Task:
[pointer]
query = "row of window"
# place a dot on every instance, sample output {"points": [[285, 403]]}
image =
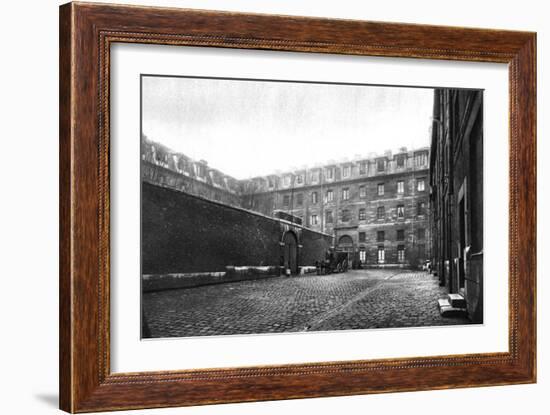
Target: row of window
{"points": [[346, 215], [381, 253], [329, 195], [381, 211], [399, 235], [421, 159]]}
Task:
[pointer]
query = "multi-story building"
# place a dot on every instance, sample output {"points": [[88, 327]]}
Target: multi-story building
{"points": [[376, 208], [162, 166], [202, 226], [456, 179]]}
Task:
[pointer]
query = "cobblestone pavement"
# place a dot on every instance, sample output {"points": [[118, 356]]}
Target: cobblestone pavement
{"points": [[358, 299]]}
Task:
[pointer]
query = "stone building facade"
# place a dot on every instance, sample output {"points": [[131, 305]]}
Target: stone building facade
{"points": [[196, 231], [456, 180], [376, 208], [164, 167]]}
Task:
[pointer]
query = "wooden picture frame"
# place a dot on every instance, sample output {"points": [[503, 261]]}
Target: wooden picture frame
{"points": [[86, 33]]}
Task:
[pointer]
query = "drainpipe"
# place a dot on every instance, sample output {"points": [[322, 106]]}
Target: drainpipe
{"points": [[321, 199]]}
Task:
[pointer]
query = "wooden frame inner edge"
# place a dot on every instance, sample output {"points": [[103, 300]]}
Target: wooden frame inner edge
{"points": [[107, 37]]}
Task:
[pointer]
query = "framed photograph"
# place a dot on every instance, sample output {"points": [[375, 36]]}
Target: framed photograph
{"points": [[258, 207]]}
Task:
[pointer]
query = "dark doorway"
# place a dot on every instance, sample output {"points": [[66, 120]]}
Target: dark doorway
{"points": [[345, 243], [290, 252]]}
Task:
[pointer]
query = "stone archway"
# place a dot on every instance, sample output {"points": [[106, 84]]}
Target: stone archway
{"points": [[290, 252], [345, 244]]}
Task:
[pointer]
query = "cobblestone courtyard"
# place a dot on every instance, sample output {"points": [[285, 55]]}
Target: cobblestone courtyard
{"points": [[358, 299]]}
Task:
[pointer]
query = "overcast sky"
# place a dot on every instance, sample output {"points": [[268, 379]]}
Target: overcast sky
{"points": [[252, 128]]}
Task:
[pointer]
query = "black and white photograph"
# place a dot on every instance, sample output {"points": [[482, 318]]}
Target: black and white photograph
{"points": [[275, 206]]}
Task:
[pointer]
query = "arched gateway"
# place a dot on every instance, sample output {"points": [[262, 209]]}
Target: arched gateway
{"points": [[345, 244], [290, 252]]}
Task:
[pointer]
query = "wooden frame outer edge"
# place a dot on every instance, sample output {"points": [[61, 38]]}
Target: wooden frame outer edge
{"points": [[86, 32]]}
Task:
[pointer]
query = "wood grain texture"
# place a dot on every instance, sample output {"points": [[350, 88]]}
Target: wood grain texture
{"points": [[86, 33]]}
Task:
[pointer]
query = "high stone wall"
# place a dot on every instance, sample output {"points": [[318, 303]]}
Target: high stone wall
{"points": [[182, 233]]}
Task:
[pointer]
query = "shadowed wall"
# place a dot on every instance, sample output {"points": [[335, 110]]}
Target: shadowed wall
{"points": [[182, 233]]}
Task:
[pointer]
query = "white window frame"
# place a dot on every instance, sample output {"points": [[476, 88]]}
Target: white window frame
{"points": [[381, 255], [401, 187], [402, 209], [346, 171], [315, 176], [314, 198], [401, 253], [345, 193], [421, 159], [286, 180]]}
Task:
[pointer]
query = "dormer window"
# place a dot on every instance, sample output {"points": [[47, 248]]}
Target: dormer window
{"points": [[421, 159], [200, 170], [181, 164], [315, 176], [346, 171], [380, 165], [401, 160]]}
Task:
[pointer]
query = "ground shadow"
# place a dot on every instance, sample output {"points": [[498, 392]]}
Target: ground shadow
{"points": [[51, 399]]}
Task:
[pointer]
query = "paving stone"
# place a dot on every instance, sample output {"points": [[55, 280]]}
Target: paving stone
{"points": [[358, 299]]}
